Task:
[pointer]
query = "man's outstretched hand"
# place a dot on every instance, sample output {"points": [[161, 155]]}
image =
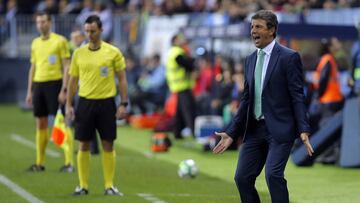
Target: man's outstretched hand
{"points": [[224, 143]]}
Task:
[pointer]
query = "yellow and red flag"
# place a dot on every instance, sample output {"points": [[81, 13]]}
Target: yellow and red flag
{"points": [[60, 131]]}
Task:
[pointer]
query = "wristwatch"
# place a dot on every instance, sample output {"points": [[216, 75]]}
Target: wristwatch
{"points": [[125, 104]]}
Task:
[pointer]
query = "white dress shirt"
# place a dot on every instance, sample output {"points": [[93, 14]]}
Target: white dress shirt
{"points": [[268, 49]]}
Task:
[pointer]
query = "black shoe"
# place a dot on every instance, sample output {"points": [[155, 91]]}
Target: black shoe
{"points": [[67, 169], [113, 191], [80, 191], [36, 168]]}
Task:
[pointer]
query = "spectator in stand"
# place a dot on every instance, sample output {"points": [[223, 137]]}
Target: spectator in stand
{"points": [[11, 10], [120, 5], [62, 6], [152, 86], [48, 6], [133, 72], [171, 7], [69, 7], [221, 91], [236, 93], [315, 4], [203, 85], [329, 5], [344, 4], [158, 11], [102, 9], [217, 65], [86, 11], [147, 9]]}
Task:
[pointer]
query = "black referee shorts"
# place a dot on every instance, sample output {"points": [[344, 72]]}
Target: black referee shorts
{"points": [[95, 114], [45, 97]]}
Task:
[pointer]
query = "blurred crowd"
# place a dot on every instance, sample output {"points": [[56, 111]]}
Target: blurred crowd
{"points": [[218, 78], [237, 9], [201, 12], [218, 84]]}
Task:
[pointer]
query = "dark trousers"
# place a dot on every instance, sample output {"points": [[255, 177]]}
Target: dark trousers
{"points": [[261, 149], [185, 112]]}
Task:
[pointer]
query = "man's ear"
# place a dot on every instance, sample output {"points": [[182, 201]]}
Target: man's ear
{"points": [[272, 30]]}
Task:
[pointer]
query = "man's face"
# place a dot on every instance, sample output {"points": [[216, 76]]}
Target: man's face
{"points": [[260, 34], [92, 32], [43, 24]]}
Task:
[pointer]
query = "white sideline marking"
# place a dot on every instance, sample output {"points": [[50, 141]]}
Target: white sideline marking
{"points": [[20, 139], [150, 198], [18, 190], [196, 195]]}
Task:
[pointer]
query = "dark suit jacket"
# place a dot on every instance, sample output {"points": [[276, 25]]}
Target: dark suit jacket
{"points": [[282, 97]]}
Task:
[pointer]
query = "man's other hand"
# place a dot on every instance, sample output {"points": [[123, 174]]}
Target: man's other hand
{"points": [[305, 140], [224, 143]]}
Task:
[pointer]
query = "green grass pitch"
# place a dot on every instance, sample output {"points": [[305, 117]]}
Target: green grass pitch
{"points": [[142, 175]]}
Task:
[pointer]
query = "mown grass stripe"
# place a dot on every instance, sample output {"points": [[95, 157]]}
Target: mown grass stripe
{"points": [[20, 139], [18, 190]]}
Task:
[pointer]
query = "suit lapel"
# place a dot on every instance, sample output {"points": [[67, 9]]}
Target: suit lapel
{"points": [[273, 60]]}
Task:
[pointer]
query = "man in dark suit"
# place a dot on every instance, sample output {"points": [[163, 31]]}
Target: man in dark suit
{"points": [[272, 113]]}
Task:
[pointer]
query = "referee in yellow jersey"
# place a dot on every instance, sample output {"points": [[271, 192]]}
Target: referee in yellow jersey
{"points": [[47, 80], [94, 67]]}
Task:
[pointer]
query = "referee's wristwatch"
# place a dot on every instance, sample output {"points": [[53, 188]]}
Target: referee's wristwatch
{"points": [[124, 104]]}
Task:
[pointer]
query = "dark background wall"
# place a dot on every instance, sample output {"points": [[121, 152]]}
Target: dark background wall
{"points": [[13, 80]]}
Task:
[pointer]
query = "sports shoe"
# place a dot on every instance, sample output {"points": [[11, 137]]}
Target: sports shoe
{"points": [[80, 191], [67, 169], [36, 168], [113, 191]]}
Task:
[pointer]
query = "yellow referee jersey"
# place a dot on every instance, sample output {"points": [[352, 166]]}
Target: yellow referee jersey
{"points": [[47, 57], [96, 70]]}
